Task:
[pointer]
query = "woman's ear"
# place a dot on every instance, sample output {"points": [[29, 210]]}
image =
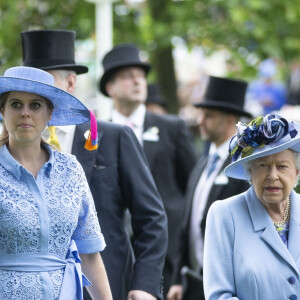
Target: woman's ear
{"points": [[50, 115]]}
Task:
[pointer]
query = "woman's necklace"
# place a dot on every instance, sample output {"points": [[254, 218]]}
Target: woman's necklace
{"points": [[286, 215]]}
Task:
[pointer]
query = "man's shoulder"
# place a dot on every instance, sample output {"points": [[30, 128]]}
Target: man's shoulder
{"points": [[109, 125]]}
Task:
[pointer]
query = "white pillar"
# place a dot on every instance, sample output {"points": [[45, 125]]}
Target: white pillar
{"points": [[104, 31], [104, 42]]}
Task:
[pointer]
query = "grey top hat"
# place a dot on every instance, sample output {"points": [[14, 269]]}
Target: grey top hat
{"points": [[123, 55], [225, 94], [50, 50]]}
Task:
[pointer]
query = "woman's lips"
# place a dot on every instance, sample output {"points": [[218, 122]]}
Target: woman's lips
{"points": [[272, 189], [25, 125]]}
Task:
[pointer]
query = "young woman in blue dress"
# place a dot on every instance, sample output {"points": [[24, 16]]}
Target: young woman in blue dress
{"points": [[49, 229]]}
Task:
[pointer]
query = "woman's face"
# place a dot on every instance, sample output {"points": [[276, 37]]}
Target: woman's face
{"points": [[274, 176], [25, 116]]}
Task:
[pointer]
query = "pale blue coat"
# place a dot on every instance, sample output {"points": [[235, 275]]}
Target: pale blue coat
{"points": [[244, 257]]}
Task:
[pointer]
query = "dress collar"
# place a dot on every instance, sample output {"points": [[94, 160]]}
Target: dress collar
{"points": [[15, 168]]}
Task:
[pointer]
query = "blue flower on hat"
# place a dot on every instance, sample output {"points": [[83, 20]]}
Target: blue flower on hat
{"points": [[258, 133]]}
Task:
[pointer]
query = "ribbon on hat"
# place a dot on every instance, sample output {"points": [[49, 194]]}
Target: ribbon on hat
{"points": [[258, 133], [92, 140]]}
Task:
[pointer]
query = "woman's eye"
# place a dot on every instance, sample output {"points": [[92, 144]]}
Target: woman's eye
{"points": [[35, 105], [15, 105], [283, 166]]}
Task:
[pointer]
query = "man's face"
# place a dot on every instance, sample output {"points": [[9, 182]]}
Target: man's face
{"points": [[213, 125], [128, 84]]}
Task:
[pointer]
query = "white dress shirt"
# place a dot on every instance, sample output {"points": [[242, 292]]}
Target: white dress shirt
{"points": [[135, 121], [200, 198], [65, 135]]}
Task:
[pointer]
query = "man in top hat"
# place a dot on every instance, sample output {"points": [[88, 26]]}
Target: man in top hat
{"points": [[220, 111], [155, 102], [165, 139], [118, 176]]}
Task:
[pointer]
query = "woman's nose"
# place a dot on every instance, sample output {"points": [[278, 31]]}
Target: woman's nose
{"points": [[273, 174], [25, 111]]}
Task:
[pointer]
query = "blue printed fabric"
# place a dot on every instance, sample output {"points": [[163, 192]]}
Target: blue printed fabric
{"points": [[38, 219], [283, 232]]}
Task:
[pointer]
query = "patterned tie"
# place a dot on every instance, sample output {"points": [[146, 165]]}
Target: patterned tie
{"points": [[212, 164], [53, 139]]}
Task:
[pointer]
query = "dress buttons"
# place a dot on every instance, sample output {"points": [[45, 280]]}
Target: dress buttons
{"points": [[291, 280], [293, 297]]}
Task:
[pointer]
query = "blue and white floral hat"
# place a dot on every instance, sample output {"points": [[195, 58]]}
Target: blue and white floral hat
{"points": [[68, 110], [261, 137]]}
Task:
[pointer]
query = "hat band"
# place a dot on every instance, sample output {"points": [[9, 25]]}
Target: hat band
{"points": [[42, 62]]}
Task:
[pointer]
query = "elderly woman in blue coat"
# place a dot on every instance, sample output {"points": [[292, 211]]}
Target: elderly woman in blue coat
{"points": [[252, 240]]}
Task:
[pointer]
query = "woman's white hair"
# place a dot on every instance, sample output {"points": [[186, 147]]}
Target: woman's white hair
{"points": [[248, 164]]}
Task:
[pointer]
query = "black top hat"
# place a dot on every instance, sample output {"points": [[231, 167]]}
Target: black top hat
{"points": [[155, 96], [226, 95], [124, 55], [50, 50]]}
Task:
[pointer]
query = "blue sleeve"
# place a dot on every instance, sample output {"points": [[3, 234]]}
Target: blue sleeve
{"points": [[218, 272]]}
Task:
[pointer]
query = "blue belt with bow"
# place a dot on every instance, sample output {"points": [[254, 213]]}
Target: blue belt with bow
{"points": [[73, 280]]}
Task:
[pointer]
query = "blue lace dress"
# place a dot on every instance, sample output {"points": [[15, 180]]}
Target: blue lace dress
{"points": [[42, 223]]}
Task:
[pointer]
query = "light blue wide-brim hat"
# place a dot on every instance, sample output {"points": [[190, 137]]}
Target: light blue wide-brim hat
{"points": [[289, 140], [68, 110]]}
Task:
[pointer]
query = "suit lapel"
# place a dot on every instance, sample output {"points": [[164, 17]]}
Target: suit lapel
{"points": [[214, 194], [194, 179], [86, 158], [263, 225]]}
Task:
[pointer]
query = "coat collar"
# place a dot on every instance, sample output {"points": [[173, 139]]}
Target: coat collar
{"points": [[262, 224]]}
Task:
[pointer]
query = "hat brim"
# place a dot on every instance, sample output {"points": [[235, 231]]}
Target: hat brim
{"points": [[67, 108], [78, 69], [108, 73], [227, 107], [236, 169]]}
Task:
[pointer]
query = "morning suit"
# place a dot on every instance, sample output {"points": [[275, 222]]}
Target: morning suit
{"points": [[222, 188], [171, 157], [244, 256], [116, 185]]}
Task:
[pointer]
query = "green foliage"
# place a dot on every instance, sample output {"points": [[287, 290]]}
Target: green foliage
{"points": [[244, 27], [20, 15], [247, 28]]}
